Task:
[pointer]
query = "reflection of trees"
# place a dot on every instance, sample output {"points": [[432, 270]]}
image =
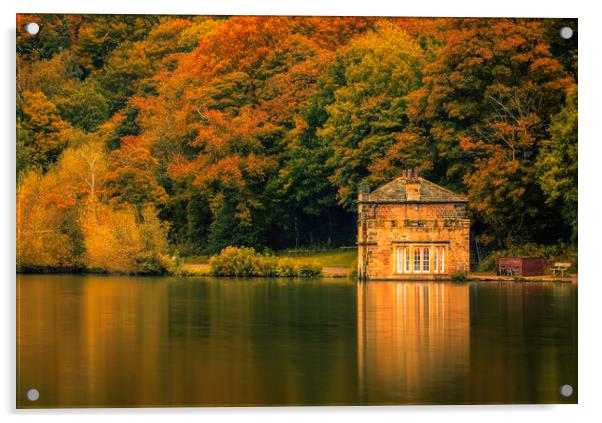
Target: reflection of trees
{"points": [[413, 341], [523, 342], [125, 341]]}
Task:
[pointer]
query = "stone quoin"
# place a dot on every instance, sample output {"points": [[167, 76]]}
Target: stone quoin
{"points": [[412, 228]]}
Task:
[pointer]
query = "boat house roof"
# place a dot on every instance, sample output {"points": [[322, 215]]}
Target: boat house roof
{"points": [[396, 191]]}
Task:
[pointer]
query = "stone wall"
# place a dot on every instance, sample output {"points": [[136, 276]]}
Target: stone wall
{"points": [[383, 227]]}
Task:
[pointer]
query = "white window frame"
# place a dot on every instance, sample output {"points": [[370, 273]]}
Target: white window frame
{"points": [[417, 249], [434, 259], [426, 261], [402, 260]]}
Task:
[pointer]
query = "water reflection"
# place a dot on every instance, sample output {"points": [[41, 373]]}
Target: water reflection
{"points": [[94, 341], [99, 341], [413, 341], [523, 342]]}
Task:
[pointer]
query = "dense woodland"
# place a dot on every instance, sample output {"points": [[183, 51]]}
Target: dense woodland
{"points": [[144, 137]]}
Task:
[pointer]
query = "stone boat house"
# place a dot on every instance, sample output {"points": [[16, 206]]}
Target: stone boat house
{"points": [[411, 228]]}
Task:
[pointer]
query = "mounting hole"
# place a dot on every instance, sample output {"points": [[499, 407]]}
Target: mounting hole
{"points": [[33, 394], [566, 32], [566, 390], [32, 28]]}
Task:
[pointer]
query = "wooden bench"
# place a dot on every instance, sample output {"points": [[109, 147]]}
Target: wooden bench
{"points": [[507, 271], [561, 268]]}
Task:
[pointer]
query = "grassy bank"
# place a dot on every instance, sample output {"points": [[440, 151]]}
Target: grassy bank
{"points": [[332, 262], [329, 258]]}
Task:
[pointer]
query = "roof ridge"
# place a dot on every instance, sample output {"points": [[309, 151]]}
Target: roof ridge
{"points": [[395, 190]]}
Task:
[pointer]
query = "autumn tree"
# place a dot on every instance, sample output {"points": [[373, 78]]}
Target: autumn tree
{"points": [[43, 239], [39, 131], [111, 239], [83, 169], [486, 102], [223, 112], [130, 176], [232, 173], [49, 205]]}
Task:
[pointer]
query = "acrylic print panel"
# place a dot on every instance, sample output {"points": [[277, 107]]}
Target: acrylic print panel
{"points": [[250, 211]]}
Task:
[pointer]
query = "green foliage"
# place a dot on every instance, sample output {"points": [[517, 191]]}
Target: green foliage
{"points": [[557, 162], [486, 102], [154, 264], [84, 104], [98, 35], [367, 122], [39, 131], [123, 72], [48, 75], [245, 262]]}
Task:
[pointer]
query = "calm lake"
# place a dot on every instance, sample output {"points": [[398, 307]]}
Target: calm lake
{"points": [[107, 341]]}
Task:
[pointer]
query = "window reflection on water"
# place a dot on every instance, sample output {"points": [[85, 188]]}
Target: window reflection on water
{"points": [[413, 340], [92, 341]]}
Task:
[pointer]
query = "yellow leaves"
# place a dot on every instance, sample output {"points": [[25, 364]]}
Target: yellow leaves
{"points": [[41, 238], [115, 240], [111, 239], [82, 169], [62, 212]]}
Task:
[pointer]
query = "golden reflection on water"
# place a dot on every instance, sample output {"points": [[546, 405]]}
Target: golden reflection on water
{"points": [[98, 341], [105, 341], [413, 339]]}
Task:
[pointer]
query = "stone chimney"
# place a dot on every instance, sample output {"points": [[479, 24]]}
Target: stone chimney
{"points": [[413, 185], [363, 192]]}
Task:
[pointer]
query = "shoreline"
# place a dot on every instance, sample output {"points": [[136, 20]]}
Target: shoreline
{"points": [[336, 273]]}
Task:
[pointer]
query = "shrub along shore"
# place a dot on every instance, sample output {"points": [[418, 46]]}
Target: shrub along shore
{"points": [[246, 262]]}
